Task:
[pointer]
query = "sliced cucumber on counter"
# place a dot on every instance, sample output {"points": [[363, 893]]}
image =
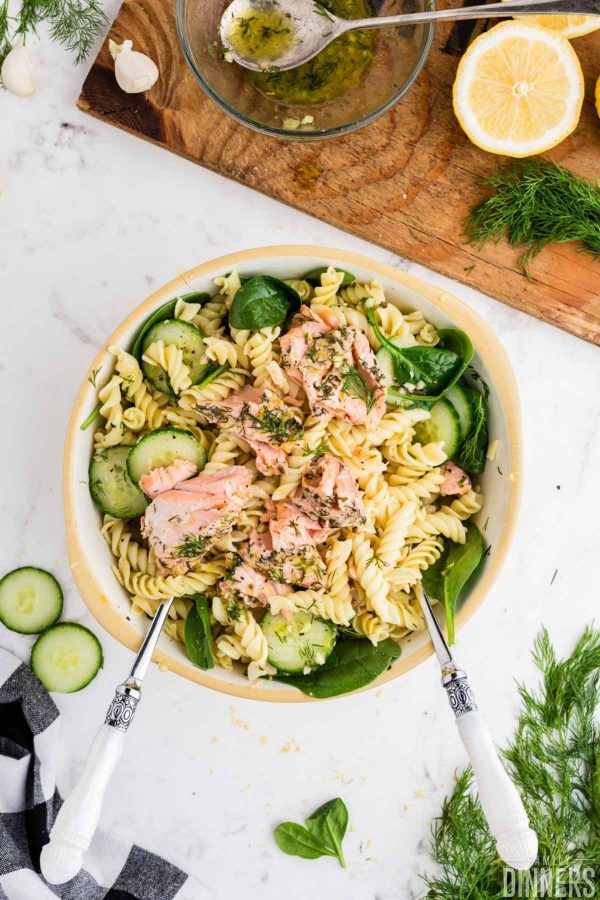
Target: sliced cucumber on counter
{"points": [[303, 642], [189, 340], [66, 657], [460, 400], [161, 448], [443, 425], [31, 600], [111, 487]]}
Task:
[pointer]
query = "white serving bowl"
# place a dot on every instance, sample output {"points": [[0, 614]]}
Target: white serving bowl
{"points": [[91, 558]]}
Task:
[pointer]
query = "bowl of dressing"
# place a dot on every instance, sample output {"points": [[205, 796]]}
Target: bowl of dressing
{"points": [[350, 83]]}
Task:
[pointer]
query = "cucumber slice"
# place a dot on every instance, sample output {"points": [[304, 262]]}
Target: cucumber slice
{"points": [[161, 448], [385, 360], [111, 487], [185, 336], [298, 643], [443, 425], [66, 657], [31, 600], [459, 399], [166, 311]]}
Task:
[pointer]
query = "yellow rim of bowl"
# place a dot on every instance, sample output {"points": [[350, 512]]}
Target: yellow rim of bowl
{"points": [[488, 347]]}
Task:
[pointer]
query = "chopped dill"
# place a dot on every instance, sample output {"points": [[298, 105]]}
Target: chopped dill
{"points": [[554, 576], [194, 545], [93, 376], [354, 383]]}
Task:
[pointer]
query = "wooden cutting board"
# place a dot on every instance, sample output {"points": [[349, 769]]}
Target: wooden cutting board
{"points": [[404, 182]]}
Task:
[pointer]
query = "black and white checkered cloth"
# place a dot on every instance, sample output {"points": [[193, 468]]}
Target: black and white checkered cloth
{"points": [[115, 869]]}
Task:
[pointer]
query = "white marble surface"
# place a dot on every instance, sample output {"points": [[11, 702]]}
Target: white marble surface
{"points": [[91, 220]]}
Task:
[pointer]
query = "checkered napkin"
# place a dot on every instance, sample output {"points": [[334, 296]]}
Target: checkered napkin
{"points": [[115, 869]]}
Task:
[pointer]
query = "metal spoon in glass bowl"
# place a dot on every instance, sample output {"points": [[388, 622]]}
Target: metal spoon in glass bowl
{"points": [[284, 34]]}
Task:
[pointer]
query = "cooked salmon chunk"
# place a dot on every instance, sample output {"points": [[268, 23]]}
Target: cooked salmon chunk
{"points": [[299, 564], [456, 481], [166, 477], [329, 494], [336, 366], [262, 420], [253, 589], [182, 523]]}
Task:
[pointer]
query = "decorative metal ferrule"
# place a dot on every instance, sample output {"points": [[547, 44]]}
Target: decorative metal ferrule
{"points": [[460, 696], [124, 703]]}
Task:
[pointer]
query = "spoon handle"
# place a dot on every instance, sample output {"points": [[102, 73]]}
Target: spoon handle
{"points": [[502, 806], [78, 817], [490, 11]]}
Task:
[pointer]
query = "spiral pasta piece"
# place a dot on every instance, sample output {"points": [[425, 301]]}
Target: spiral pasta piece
{"points": [[222, 454], [419, 558], [169, 358], [466, 506], [414, 460], [209, 318], [222, 351], [370, 293], [421, 489], [302, 288], [134, 386], [371, 626], [343, 438], [259, 350], [326, 293], [228, 286], [394, 534], [393, 324], [161, 587], [396, 426], [118, 535], [214, 391], [442, 521], [186, 311], [338, 603], [372, 580], [111, 407], [428, 335], [133, 418], [253, 642]]}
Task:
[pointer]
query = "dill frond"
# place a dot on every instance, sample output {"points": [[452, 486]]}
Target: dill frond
{"points": [[537, 203], [554, 760]]}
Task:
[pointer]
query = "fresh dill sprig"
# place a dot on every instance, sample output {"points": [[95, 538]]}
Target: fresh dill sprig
{"points": [[73, 23], [354, 383], [193, 546], [537, 203], [554, 760]]}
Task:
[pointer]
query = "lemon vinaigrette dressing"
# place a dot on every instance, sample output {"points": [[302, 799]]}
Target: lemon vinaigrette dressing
{"points": [[334, 71], [263, 34]]}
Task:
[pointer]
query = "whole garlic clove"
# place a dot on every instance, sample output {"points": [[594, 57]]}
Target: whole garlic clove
{"points": [[17, 72], [135, 72]]}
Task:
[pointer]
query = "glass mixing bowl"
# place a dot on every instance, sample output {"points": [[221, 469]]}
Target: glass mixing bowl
{"points": [[399, 56]]}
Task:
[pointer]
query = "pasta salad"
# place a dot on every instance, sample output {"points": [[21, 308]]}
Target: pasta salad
{"points": [[291, 460]]}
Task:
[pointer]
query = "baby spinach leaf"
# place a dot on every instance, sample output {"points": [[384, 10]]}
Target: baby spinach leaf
{"points": [[446, 578], [351, 665], [328, 823], [261, 302], [296, 840], [314, 276], [471, 455], [166, 311], [198, 634], [322, 836]]}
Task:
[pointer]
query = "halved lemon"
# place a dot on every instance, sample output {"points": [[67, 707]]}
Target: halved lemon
{"points": [[518, 90], [568, 26]]}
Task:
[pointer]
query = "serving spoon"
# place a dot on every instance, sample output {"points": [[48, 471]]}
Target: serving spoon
{"points": [[306, 27], [78, 817], [516, 842]]}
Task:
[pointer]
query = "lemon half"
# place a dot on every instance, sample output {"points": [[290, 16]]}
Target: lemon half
{"points": [[518, 90], [568, 26]]}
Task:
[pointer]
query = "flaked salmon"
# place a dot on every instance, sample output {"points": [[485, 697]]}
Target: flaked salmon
{"points": [[166, 477], [182, 523], [456, 481], [336, 366], [262, 420], [300, 564], [329, 494], [253, 589]]}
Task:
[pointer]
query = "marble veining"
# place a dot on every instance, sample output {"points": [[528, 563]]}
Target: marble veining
{"points": [[91, 220]]}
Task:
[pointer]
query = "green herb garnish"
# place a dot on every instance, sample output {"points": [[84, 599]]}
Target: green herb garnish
{"points": [[537, 202], [472, 453], [554, 761], [322, 836], [354, 383], [73, 23], [91, 418], [194, 545]]}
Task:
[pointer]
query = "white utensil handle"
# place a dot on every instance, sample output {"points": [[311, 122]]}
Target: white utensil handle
{"points": [[78, 817], [517, 844]]}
